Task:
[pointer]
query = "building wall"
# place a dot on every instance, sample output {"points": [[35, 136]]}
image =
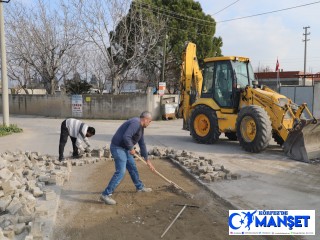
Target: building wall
{"points": [[94, 106], [316, 106]]}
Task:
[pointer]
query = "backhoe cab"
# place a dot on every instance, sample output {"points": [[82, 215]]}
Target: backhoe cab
{"points": [[226, 98]]}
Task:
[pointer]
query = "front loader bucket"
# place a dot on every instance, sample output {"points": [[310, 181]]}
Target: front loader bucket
{"points": [[303, 144]]}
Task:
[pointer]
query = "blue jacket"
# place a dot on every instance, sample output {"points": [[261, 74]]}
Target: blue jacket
{"points": [[130, 133]]}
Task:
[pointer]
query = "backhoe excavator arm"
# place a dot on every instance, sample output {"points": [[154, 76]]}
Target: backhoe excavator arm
{"points": [[190, 82]]}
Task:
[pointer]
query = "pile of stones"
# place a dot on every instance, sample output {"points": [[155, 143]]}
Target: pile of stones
{"points": [[26, 177], [30, 185], [204, 168]]}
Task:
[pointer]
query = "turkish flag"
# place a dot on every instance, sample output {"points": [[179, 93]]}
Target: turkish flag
{"points": [[277, 65]]}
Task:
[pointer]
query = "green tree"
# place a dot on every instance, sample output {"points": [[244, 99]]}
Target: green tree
{"points": [[77, 86], [185, 21]]}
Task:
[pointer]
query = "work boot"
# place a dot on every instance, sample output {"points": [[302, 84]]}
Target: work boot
{"points": [[76, 156], [145, 189], [107, 200], [61, 159]]}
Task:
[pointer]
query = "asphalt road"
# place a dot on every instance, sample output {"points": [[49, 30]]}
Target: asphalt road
{"points": [[269, 180]]}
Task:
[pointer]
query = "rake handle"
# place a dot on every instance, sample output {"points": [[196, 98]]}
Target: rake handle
{"points": [[159, 174], [178, 215]]}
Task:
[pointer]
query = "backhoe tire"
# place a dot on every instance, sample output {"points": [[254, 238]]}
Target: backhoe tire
{"points": [[253, 129], [204, 125], [231, 136], [277, 138]]}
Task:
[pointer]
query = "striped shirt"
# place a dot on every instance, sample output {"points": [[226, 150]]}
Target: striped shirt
{"points": [[78, 130]]}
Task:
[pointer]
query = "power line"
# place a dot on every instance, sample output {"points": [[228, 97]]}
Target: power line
{"points": [[170, 16], [226, 7], [259, 14], [204, 34], [154, 8]]}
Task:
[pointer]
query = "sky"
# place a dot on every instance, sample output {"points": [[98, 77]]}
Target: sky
{"points": [[269, 37]]}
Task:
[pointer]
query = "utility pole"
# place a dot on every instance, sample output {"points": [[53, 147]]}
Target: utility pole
{"points": [[164, 57], [305, 52], [5, 96]]}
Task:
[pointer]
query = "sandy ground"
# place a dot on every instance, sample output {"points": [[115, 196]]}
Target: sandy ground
{"points": [[269, 181], [82, 215]]}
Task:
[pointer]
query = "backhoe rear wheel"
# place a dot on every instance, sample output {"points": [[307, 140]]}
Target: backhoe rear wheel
{"points": [[204, 125], [253, 128]]}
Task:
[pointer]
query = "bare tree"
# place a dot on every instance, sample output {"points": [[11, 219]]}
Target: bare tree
{"points": [[43, 39], [122, 33]]}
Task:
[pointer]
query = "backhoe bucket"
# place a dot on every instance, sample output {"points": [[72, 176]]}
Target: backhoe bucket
{"points": [[303, 144]]}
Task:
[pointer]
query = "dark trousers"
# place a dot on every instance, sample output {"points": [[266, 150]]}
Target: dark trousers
{"points": [[64, 134]]}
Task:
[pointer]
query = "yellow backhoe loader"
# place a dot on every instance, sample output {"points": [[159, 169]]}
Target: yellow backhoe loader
{"points": [[224, 97]]}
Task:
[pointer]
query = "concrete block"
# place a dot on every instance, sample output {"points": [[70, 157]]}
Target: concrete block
{"points": [[69, 167], [222, 174], [205, 178], [53, 179], [8, 187], [25, 219], [1, 193], [181, 159], [218, 167], [37, 192], [184, 154], [49, 195], [235, 176], [172, 155], [5, 174], [227, 176], [31, 201], [4, 202], [202, 169], [210, 161], [210, 169], [36, 229], [3, 163], [107, 153], [214, 175], [24, 210], [2, 237], [186, 163], [19, 228], [9, 234], [43, 178], [40, 185], [226, 171], [14, 206], [29, 237], [79, 163], [216, 179], [51, 166], [42, 158]]}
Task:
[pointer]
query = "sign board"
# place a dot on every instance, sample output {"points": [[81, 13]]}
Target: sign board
{"points": [[76, 101], [162, 88]]}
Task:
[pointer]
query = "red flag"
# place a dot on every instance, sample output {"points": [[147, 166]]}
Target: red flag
{"points": [[277, 65]]}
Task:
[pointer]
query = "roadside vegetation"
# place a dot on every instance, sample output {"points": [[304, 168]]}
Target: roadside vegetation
{"points": [[13, 128], [110, 44]]}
